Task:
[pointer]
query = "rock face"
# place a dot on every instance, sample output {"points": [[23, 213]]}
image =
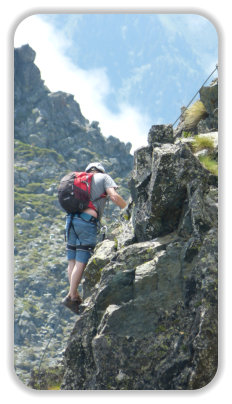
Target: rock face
{"points": [[164, 176], [54, 120], [209, 97], [149, 317]]}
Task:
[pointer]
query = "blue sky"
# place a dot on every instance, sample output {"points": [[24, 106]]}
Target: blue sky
{"points": [[127, 71]]}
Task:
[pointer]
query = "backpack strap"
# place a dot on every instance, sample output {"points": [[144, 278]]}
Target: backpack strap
{"points": [[88, 181], [69, 226]]}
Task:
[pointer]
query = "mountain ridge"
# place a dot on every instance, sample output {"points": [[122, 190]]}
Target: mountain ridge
{"points": [[149, 317]]}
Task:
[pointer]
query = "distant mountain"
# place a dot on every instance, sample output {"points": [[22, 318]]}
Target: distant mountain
{"points": [[52, 137]]}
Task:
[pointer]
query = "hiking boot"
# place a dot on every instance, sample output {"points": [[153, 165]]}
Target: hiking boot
{"points": [[72, 304], [78, 299]]}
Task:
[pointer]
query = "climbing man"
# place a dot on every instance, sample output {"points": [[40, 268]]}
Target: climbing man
{"points": [[81, 230]]}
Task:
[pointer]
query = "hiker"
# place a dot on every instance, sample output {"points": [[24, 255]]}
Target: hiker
{"points": [[81, 229]]}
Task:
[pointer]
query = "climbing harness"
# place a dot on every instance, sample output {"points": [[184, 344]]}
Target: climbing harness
{"points": [[89, 248], [80, 246], [103, 231], [216, 68]]}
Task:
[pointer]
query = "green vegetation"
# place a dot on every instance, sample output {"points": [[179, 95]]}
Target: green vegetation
{"points": [[36, 187], [24, 151], [115, 244], [194, 114], [161, 328], [57, 387], [49, 379], [202, 142], [209, 164], [43, 204], [186, 134]]}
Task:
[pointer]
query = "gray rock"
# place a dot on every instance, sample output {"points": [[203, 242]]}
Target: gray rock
{"points": [[26, 54], [154, 338], [160, 134], [37, 140], [149, 318], [161, 189]]}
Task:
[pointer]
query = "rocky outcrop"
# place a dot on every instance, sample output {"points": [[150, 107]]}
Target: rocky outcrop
{"points": [[149, 317], [54, 120], [164, 176], [209, 97]]}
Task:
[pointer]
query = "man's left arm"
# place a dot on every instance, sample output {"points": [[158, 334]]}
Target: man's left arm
{"points": [[116, 198]]}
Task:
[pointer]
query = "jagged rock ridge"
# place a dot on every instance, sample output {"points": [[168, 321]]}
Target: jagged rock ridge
{"points": [[149, 319], [54, 120]]}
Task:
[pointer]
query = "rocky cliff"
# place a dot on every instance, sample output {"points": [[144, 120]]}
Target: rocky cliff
{"points": [[149, 318], [149, 315]]}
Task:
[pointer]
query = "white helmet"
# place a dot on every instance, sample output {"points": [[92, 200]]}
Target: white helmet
{"points": [[98, 166]]}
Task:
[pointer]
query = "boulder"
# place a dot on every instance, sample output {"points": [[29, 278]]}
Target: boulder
{"points": [[159, 187]]}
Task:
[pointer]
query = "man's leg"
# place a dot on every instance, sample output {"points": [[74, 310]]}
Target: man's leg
{"points": [[82, 233], [71, 264], [75, 273]]}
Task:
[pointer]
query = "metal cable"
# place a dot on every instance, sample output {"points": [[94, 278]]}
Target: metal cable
{"points": [[196, 94]]}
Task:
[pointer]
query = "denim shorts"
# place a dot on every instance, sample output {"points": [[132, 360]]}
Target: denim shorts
{"points": [[80, 233]]}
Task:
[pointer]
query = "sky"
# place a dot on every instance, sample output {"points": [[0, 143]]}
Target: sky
{"points": [[126, 71]]}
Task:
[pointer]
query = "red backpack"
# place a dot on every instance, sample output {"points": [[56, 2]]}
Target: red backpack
{"points": [[74, 192]]}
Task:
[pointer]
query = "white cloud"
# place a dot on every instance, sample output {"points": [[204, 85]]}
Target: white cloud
{"points": [[38, 33], [89, 87], [134, 80]]}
